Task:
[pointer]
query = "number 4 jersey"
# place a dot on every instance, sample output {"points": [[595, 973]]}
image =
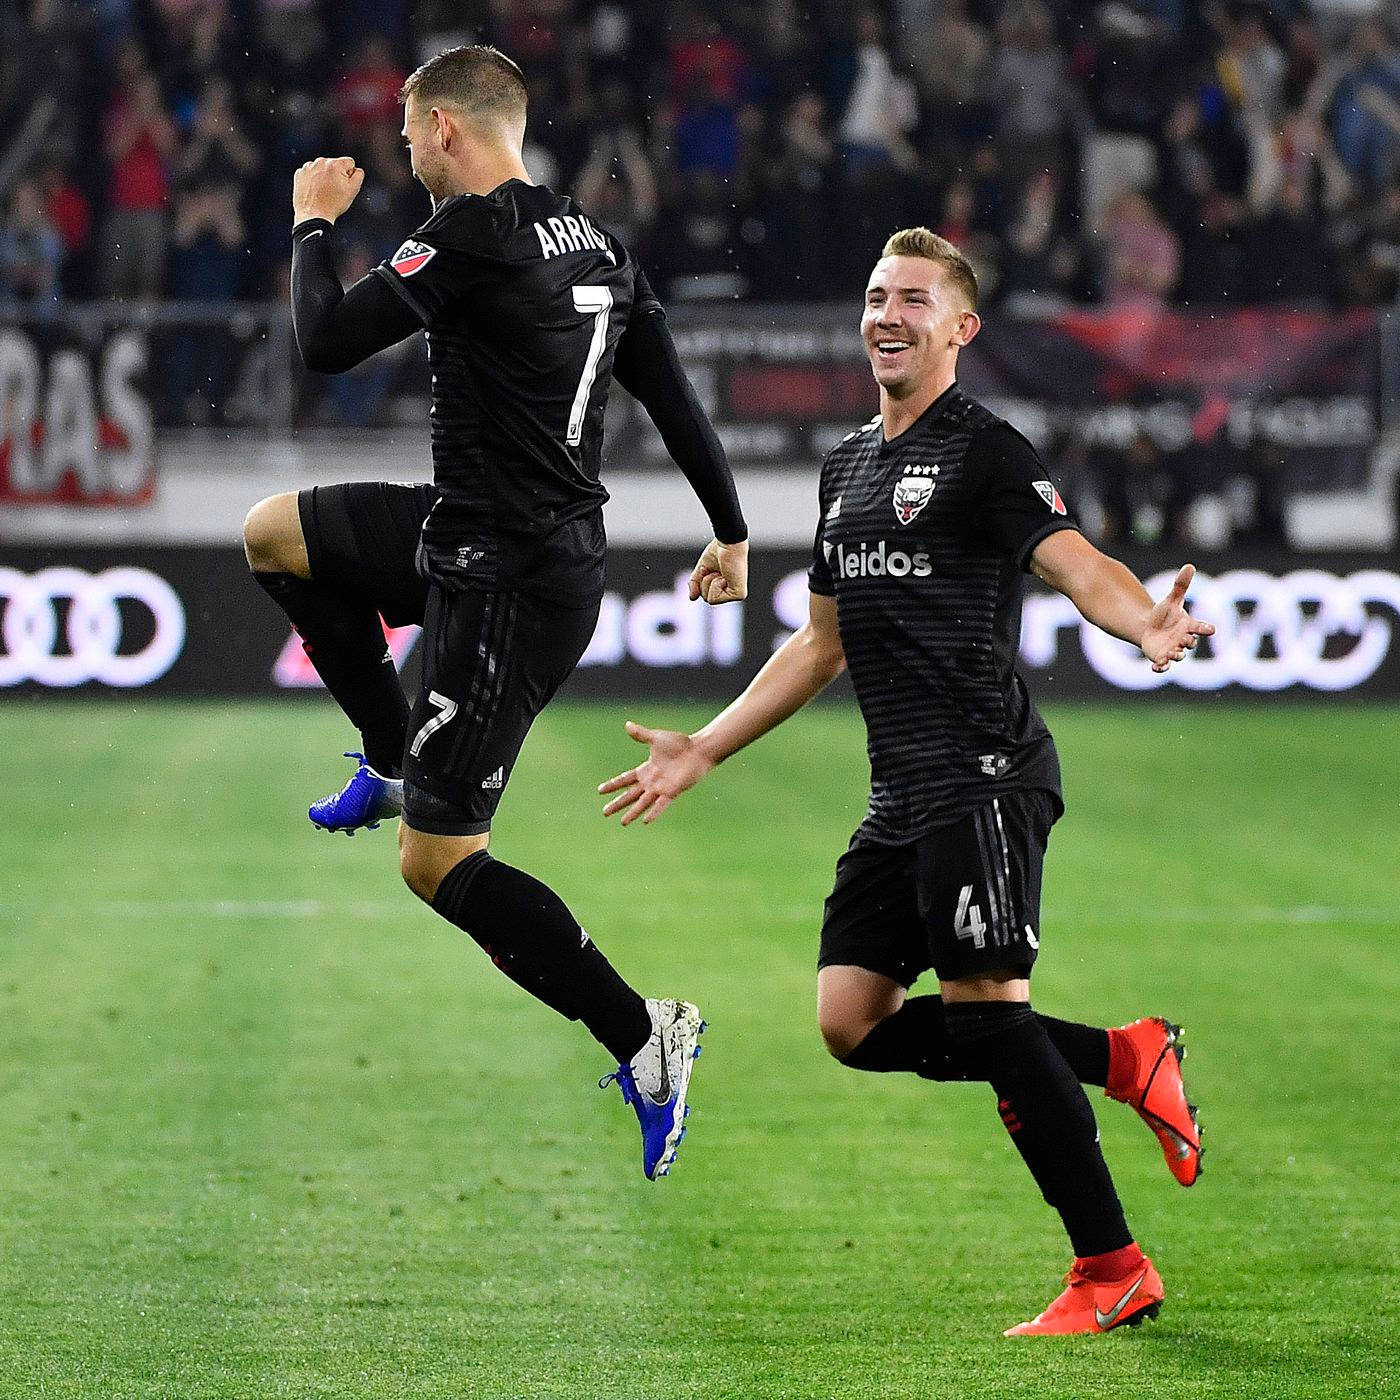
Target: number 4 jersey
{"points": [[523, 300], [923, 541]]}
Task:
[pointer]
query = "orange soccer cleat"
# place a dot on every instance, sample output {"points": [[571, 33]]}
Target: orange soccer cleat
{"points": [[1144, 1069], [1086, 1306]]}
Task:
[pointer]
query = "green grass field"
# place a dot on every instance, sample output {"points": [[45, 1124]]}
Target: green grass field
{"points": [[272, 1129]]}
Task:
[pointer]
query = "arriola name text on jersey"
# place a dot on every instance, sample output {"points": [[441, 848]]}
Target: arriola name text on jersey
{"points": [[570, 234]]}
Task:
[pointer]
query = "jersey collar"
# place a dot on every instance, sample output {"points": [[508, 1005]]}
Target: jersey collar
{"points": [[922, 421]]}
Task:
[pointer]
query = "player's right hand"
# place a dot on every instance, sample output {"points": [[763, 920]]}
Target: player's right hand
{"points": [[722, 575], [325, 188], [674, 765]]}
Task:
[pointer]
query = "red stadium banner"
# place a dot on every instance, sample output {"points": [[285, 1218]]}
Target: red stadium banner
{"points": [[75, 422], [1204, 387]]}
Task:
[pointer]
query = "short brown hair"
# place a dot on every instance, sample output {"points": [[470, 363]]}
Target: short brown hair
{"points": [[476, 78], [924, 243]]}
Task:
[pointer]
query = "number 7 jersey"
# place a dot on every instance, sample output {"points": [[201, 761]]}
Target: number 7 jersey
{"points": [[523, 300]]}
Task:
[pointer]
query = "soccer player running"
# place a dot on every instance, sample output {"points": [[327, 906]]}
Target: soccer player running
{"points": [[529, 309], [929, 515]]}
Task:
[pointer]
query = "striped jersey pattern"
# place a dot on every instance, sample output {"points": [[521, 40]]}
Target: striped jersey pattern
{"points": [[523, 300], [923, 542]]}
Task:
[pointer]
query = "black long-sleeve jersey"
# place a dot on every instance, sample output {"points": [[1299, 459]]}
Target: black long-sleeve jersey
{"points": [[923, 542], [528, 307]]}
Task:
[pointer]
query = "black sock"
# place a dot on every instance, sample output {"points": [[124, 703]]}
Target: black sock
{"points": [[1046, 1113], [915, 1040], [345, 642], [528, 932], [1085, 1048]]}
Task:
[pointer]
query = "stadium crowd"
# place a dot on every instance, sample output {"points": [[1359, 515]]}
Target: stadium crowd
{"points": [[1236, 151]]}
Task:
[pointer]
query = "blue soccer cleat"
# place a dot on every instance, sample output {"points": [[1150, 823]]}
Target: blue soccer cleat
{"points": [[364, 801], [656, 1079]]}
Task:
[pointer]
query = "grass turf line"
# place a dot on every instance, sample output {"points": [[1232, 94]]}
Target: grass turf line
{"points": [[271, 1129]]}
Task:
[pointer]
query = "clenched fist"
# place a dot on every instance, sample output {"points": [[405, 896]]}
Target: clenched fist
{"points": [[325, 188]]}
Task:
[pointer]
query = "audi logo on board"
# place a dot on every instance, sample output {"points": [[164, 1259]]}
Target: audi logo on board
{"points": [[63, 627], [1308, 627], [115, 621]]}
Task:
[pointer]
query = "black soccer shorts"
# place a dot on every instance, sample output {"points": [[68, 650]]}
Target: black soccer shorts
{"points": [[491, 660], [963, 900]]}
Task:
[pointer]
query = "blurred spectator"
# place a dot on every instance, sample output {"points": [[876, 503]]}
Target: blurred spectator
{"points": [[68, 210], [196, 47], [218, 151], [139, 142], [1365, 100], [795, 207], [1142, 257], [949, 52], [881, 109], [1197, 161], [699, 250], [1288, 259], [618, 186], [367, 92], [1039, 109], [31, 250], [1040, 260], [446, 24], [1251, 66]]}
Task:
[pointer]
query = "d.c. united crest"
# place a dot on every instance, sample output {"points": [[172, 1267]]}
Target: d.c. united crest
{"points": [[912, 492]]}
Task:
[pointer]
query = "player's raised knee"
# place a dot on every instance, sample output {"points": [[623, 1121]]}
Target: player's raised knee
{"points": [[840, 1033], [272, 537], [419, 872]]}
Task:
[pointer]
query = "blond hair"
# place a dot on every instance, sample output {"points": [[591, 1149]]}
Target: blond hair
{"points": [[476, 78], [924, 243]]}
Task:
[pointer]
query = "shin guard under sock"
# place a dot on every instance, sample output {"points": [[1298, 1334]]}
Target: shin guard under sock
{"points": [[915, 1040], [344, 641], [1046, 1113], [528, 932]]}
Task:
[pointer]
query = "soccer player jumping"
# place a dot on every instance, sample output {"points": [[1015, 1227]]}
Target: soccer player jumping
{"points": [[929, 514], [529, 310]]}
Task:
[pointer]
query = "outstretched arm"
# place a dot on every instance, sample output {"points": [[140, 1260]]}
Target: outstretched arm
{"points": [[1110, 596], [797, 672], [336, 329], [647, 366]]}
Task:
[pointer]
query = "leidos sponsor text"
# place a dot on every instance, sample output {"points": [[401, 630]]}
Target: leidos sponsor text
{"points": [[865, 560]]}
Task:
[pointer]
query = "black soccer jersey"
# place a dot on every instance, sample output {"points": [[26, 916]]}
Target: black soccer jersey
{"points": [[523, 299], [923, 542]]}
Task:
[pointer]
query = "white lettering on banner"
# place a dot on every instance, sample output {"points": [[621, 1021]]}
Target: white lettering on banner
{"points": [[94, 627], [1271, 632], [54, 430], [20, 372], [666, 629]]}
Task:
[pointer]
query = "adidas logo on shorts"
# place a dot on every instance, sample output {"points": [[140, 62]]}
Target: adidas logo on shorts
{"points": [[496, 781]]}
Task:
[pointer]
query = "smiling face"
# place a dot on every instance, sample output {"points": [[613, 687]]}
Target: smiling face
{"points": [[914, 323]]}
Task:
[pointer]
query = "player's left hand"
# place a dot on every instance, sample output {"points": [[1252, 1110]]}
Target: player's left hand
{"points": [[1171, 631], [325, 188], [722, 575]]}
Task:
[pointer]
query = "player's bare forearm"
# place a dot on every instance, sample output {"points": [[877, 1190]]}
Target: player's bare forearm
{"points": [[1110, 596], [800, 669], [1106, 592], [796, 673]]}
